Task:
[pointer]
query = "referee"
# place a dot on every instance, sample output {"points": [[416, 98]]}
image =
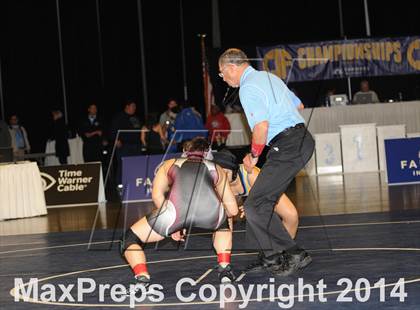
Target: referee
{"points": [[274, 121]]}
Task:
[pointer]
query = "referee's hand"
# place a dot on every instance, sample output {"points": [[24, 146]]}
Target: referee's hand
{"points": [[249, 162]]}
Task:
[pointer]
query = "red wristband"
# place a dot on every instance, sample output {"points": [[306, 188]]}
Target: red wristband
{"points": [[256, 149]]}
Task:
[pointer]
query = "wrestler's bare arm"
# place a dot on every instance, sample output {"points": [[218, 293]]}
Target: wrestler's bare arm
{"points": [[252, 177]]}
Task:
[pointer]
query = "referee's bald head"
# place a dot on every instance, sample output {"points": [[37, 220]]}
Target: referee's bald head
{"points": [[233, 56]]}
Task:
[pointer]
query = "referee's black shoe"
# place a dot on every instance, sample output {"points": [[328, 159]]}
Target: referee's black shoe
{"points": [[282, 268], [276, 264], [293, 259], [298, 259], [256, 265]]}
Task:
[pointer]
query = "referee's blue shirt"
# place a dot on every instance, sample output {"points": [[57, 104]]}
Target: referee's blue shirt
{"points": [[295, 99], [265, 97]]}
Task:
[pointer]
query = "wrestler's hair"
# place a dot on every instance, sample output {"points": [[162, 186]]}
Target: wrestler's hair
{"points": [[233, 56], [198, 144], [227, 160]]}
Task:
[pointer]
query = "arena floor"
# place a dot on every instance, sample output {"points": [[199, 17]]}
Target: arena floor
{"points": [[363, 237]]}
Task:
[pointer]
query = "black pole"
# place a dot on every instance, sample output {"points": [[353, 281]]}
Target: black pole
{"points": [[215, 24], [184, 67], [3, 114], [101, 58], [142, 57], [342, 34], [60, 45], [340, 12]]}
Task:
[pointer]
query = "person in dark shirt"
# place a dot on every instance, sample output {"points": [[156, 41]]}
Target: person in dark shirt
{"points": [[91, 131], [5, 138], [60, 135], [127, 143], [152, 136]]}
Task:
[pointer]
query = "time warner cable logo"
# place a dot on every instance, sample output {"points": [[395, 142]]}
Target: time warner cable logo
{"points": [[47, 181], [68, 181]]}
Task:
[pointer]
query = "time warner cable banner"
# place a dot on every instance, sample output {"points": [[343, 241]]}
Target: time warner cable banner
{"points": [[73, 184], [342, 59]]}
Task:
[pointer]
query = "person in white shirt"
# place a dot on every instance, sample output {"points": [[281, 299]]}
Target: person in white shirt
{"points": [[359, 97], [167, 118], [19, 138]]}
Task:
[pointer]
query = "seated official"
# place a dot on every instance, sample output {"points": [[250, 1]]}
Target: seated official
{"points": [[365, 95]]}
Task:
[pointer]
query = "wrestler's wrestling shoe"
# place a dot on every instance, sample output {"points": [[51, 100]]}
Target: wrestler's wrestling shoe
{"points": [[140, 286], [226, 274]]}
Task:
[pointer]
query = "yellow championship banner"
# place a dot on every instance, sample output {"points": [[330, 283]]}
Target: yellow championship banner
{"points": [[342, 59]]}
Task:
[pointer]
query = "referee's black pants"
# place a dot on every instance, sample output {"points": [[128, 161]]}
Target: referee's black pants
{"points": [[286, 157]]}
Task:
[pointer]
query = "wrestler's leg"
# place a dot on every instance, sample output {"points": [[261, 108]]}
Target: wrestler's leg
{"points": [[290, 217], [288, 213], [222, 242], [134, 253]]}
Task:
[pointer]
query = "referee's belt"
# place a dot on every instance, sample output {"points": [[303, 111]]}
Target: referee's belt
{"points": [[285, 133]]}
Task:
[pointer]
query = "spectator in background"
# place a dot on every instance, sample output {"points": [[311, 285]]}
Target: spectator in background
{"points": [[127, 143], [19, 138], [60, 136], [218, 127], [91, 131], [325, 101], [365, 95], [5, 138], [167, 118], [189, 125], [152, 136]]}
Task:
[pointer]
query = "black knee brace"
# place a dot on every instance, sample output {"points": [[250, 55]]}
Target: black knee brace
{"points": [[128, 239], [224, 226]]}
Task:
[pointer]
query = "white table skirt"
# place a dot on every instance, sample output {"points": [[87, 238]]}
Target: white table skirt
{"points": [[240, 133], [21, 192], [76, 152]]}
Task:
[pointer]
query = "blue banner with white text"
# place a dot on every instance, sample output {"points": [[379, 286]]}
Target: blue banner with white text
{"points": [[403, 160], [138, 173], [342, 59]]}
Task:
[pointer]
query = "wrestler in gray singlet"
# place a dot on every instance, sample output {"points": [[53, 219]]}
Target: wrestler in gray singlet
{"points": [[192, 199]]}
